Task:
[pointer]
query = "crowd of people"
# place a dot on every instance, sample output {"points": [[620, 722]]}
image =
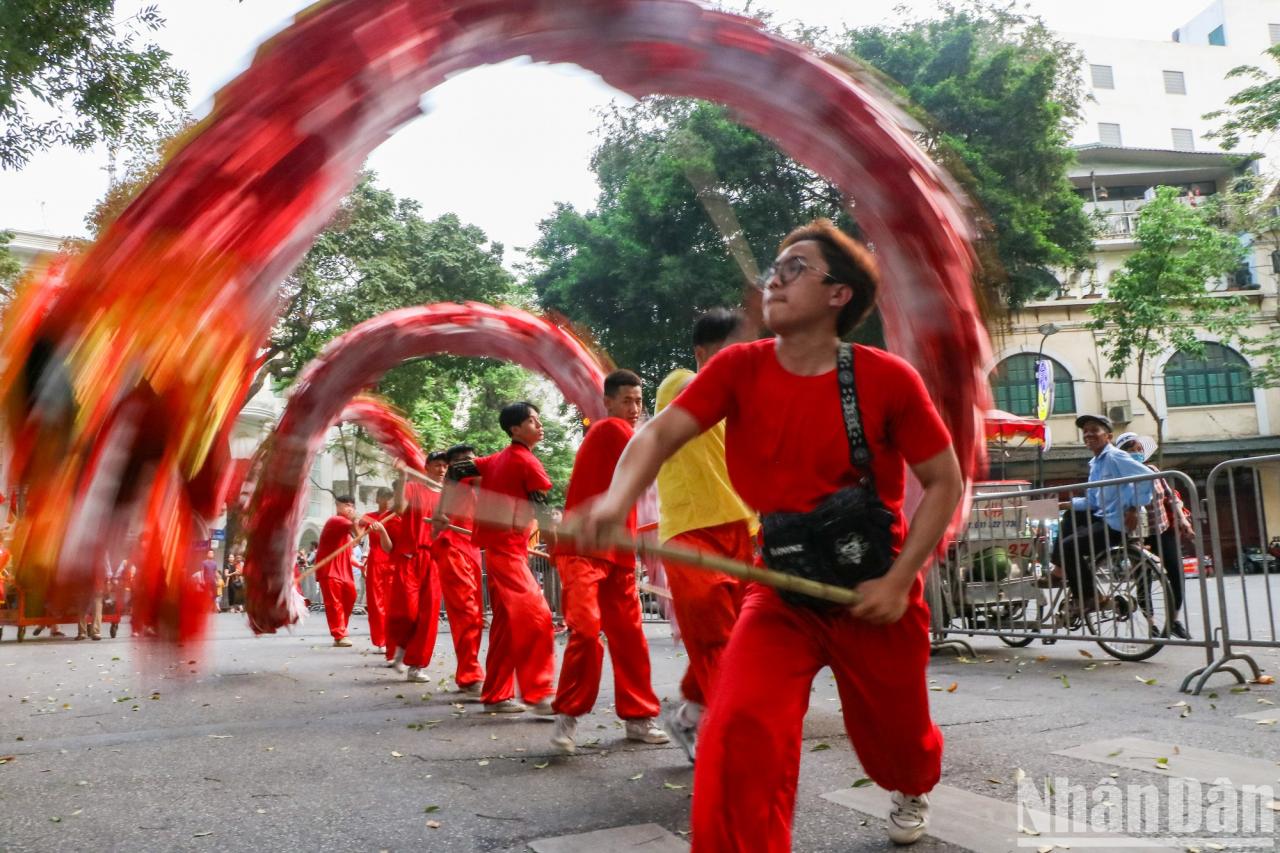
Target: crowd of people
{"points": [[765, 436], [764, 432]]}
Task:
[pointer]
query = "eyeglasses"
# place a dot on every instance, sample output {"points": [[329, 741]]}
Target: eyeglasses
{"points": [[788, 271]]}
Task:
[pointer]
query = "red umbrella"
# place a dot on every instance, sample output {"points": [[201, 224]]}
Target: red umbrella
{"points": [[1003, 427]]}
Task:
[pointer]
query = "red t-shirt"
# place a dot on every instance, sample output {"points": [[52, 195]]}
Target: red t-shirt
{"points": [[503, 512], [592, 473], [785, 441], [377, 555], [335, 534], [462, 513]]}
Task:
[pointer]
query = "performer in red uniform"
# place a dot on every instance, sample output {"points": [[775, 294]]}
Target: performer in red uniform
{"points": [[787, 450], [337, 581], [415, 590], [521, 645], [599, 587], [377, 574], [421, 644], [700, 511], [457, 563]]}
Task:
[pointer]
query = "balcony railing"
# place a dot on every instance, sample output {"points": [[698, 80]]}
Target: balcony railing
{"points": [[1118, 220]]}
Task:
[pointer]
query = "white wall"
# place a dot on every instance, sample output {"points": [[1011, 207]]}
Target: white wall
{"points": [[1139, 104]]}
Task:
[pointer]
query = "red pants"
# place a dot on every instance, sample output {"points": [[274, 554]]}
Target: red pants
{"points": [[599, 594], [521, 644], [377, 582], [744, 783], [402, 609], [707, 603], [339, 600], [421, 644], [463, 600]]}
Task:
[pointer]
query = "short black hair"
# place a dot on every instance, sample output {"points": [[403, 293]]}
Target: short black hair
{"points": [[716, 326], [458, 450], [344, 499], [438, 456], [385, 492], [849, 262], [514, 414], [621, 379]]}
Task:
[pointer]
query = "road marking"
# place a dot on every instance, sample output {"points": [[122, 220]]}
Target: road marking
{"points": [[1270, 714], [988, 825], [1184, 762], [648, 837]]}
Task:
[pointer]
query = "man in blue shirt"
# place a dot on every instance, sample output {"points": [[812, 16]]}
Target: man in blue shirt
{"points": [[1098, 521]]}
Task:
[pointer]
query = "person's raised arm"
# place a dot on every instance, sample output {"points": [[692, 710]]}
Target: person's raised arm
{"points": [[652, 445], [884, 599]]}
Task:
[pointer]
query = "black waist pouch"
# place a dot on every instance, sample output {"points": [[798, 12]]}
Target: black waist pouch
{"points": [[848, 539]]}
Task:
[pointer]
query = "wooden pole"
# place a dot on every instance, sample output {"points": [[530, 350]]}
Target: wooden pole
{"points": [[709, 562]]}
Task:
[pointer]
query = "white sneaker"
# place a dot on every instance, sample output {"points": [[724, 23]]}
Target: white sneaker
{"points": [[398, 662], [416, 674], [908, 818], [543, 708], [685, 735], [506, 706], [646, 731], [471, 689], [566, 728], [341, 642]]}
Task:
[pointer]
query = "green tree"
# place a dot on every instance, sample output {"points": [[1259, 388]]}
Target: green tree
{"points": [[71, 74], [1158, 299], [690, 201], [1254, 110], [996, 92], [640, 267], [10, 268]]}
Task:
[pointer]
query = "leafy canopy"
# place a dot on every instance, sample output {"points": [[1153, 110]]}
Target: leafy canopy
{"points": [[996, 92], [691, 203], [71, 74], [1255, 109]]}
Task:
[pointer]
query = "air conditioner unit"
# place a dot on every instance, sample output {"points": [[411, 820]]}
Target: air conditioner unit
{"points": [[1120, 411]]}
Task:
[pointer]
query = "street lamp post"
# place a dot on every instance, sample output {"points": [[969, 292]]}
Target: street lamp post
{"points": [[1045, 330]]}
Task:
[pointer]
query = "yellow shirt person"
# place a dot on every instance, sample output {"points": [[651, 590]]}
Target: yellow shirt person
{"points": [[693, 485]]}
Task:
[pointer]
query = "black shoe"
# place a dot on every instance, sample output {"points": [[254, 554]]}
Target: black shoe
{"points": [[1177, 629]]}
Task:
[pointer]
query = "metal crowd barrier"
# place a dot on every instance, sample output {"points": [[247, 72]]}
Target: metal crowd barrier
{"points": [[1246, 571], [1038, 564]]}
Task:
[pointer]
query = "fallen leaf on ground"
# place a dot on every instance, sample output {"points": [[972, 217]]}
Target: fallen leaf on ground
{"points": [[543, 766], [819, 747], [1267, 722], [995, 781], [433, 824], [430, 809], [1265, 679], [201, 834], [1240, 689], [952, 687], [1084, 653], [1150, 682], [483, 762], [395, 754], [636, 778], [861, 783], [1065, 683], [671, 786]]}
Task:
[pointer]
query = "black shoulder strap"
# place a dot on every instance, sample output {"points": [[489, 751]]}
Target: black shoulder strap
{"points": [[859, 450]]}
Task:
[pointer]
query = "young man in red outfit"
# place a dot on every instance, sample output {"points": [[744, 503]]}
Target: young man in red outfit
{"points": [[336, 579], [377, 574], [457, 562], [787, 450], [599, 587], [698, 510], [415, 610], [521, 645]]}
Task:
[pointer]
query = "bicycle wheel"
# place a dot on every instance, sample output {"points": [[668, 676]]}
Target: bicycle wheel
{"points": [[1137, 605]]}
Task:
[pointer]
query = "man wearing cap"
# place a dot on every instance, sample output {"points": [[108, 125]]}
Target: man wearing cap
{"points": [[1166, 524], [1099, 520]]}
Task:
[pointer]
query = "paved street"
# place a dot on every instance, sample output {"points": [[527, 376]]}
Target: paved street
{"points": [[286, 743]]}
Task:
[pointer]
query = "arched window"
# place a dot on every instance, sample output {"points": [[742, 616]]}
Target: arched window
{"points": [[1014, 385], [1216, 377]]}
